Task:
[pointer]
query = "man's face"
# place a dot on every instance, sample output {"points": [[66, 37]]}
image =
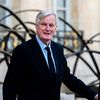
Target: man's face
{"points": [[46, 28]]}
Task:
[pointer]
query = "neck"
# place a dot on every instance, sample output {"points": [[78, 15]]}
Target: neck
{"points": [[44, 41]]}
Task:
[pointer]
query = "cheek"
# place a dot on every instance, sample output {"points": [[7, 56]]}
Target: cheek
{"points": [[54, 31], [39, 30]]}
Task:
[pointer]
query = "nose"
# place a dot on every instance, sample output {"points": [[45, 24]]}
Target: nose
{"points": [[47, 27]]}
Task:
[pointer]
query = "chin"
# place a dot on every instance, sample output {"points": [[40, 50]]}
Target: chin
{"points": [[48, 39]]}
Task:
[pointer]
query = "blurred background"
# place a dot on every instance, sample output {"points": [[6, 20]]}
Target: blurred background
{"points": [[78, 31]]}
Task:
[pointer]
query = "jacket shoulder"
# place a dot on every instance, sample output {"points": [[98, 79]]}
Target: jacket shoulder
{"points": [[57, 45]]}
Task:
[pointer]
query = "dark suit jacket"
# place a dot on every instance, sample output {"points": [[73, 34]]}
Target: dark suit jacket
{"points": [[28, 76]]}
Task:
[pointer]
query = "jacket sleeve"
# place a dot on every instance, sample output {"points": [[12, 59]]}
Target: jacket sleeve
{"points": [[76, 85], [13, 76]]}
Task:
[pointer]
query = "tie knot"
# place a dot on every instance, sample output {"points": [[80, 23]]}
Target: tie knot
{"points": [[47, 48]]}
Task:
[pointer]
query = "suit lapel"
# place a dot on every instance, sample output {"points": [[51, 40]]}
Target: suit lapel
{"points": [[39, 54], [58, 62], [55, 55], [40, 57]]}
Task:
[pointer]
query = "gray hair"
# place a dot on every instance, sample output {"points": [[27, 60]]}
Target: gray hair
{"points": [[43, 14]]}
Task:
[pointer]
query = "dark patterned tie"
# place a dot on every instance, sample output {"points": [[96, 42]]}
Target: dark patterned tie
{"points": [[50, 61]]}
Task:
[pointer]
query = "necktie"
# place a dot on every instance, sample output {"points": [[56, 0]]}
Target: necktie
{"points": [[50, 61]]}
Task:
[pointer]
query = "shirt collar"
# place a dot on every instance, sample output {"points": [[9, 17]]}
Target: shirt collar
{"points": [[42, 45]]}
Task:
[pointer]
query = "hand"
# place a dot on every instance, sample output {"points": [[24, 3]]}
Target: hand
{"points": [[97, 97]]}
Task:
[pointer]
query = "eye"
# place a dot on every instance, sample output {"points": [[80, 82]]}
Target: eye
{"points": [[51, 25], [47, 24], [43, 24]]}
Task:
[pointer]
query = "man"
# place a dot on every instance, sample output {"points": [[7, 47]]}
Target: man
{"points": [[30, 76]]}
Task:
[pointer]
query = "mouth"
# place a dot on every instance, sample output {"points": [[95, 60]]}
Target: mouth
{"points": [[47, 33]]}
